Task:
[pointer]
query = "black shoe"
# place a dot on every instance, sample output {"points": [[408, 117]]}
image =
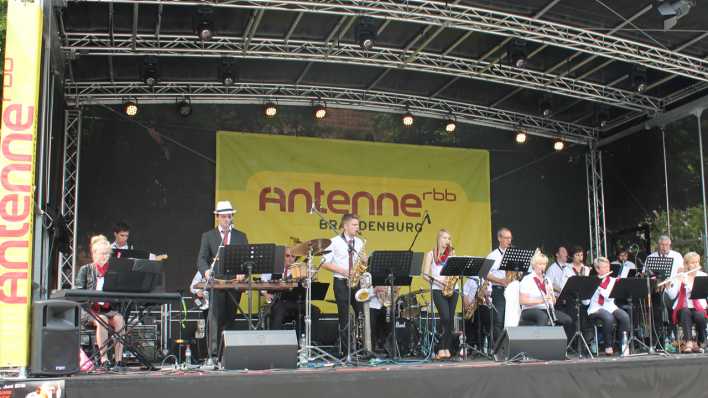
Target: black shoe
{"points": [[105, 366], [119, 367]]}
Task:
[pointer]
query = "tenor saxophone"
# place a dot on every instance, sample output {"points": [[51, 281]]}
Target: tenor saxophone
{"points": [[359, 267]]}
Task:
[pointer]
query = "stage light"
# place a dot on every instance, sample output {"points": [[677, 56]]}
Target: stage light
{"points": [[517, 52], [520, 137], [603, 116], [202, 23], [545, 105], [150, 71], [407, 119], [184, 107], [228, 72], [365, 33], [320, 112], [270, 110], [558, 145], [205, 30], [450, 126], [130, 108], [639, 78], [672, 11]]}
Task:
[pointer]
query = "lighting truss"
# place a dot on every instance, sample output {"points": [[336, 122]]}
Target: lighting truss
{"points": [[88, 93]]}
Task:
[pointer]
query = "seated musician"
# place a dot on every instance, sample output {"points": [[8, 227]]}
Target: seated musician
{"points": [[578, 266], [90, 277], [537, 299], [379, 311], [602, 307], [285, 309], [121, 233], [686, 311], [478, 322]]}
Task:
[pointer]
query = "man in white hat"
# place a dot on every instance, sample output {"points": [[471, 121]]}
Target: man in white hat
{"points": [[222, 308]]}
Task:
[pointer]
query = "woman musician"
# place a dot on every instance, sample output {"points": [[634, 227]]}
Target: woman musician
{"points": [[432, 265], [578, 266], [603, 308], [686, 311], [538, 301]]}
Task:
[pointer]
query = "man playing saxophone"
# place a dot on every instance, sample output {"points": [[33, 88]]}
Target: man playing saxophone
{"points": [[345, 253], [538, 301]]}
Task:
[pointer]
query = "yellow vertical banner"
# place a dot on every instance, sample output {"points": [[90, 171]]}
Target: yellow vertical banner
{"points": [[21, 71], [273, 181]]}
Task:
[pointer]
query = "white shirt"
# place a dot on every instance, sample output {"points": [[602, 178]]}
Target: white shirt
{"points": [[675, 288], [374, 303], [625, 267], [678, 260], [528, 287], [196, 279], [609, 304], [114, 245], [339, 253], [558, 274], [470, 287], [435, 270], [496, 255]]}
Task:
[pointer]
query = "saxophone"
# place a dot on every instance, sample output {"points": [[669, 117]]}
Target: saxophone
{"points": [[359, 267], [479, 299], [449, 286], [363, 295], [384, 295]]}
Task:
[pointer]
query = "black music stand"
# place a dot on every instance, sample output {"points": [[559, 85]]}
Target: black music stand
{"points": [[130, 253], [700, 288], [466, 266], [517, 260], [298, 294], [265, 258], [659, 266], [393, 268], [616, 269], [631, 290], [577, 289]]}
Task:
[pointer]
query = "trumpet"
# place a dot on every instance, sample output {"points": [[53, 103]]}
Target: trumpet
{"points": [[677, 276], [550, 307]]}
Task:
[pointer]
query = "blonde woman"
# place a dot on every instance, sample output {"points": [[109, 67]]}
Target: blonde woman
{"points": [[90, 277], [686, 311], [433, 264]]}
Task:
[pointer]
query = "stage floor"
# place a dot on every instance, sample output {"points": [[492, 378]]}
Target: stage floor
{"points": [[644, 376]]}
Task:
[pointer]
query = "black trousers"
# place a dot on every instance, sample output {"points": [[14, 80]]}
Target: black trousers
{"points": [[586, 325], [500, 307], [617, 321], [287, 310], [222, 311], [379, 328], [688, 317], [478, 327], [341, 291], [539, 317], [446, 311]]}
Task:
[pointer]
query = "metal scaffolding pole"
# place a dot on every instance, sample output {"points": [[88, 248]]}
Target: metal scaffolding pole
{"points": [[596, 203], [703, 187], [69, 194], [666, 183]]}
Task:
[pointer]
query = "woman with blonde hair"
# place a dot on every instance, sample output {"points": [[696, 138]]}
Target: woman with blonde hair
{"points": [[91, 277], [433, 264], [686, 311]]}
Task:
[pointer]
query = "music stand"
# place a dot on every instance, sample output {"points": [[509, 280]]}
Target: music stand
{"points": [[577, 289], [700, 288], [466, 266], [265, 258], [631, 289], [130, 253], [659, 266], [517, 260], [616, 269], [393, 268]]}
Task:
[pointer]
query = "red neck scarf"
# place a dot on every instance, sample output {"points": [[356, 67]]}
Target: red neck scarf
{"points": [[683, 303], [441, 259], [540, 284], [101, 269], [603, 285]]}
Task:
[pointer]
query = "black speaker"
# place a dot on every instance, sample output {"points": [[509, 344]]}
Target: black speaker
{"points": [[258, 349], [55, 337], [537, 342]]}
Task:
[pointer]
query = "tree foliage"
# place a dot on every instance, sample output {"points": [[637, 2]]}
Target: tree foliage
{"points": [[686, 228]]}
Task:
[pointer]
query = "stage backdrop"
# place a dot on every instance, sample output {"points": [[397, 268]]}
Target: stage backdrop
{"points": [[273, 181]]}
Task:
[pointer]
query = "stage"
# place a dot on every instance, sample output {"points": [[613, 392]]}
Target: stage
{"points": [[645, 376]]}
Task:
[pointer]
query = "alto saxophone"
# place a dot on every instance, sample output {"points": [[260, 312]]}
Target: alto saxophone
{"points": [[449, 285], [359, 267], [479, 299]]}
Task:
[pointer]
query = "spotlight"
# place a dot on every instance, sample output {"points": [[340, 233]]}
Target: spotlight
{"points": [[545, 105], [320, 112], [407, 119], [520, 137], [130, 108], [517, 52], [450, 126], [558, 145], [202, 23], [639, 78], [184, 107], [205, 30], [603, 116], [228, 72], [270, 110], [672, 11], [365, 32], [150, 71]]}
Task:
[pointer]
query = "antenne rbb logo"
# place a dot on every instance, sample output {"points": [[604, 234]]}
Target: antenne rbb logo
{"points": [[338, 201]]}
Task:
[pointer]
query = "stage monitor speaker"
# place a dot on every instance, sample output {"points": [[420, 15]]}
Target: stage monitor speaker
{"points": [[536, 342], [55, 337], [258, 349]]}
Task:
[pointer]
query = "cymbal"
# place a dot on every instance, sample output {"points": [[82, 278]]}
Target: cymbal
{"points": [[318, 247]]}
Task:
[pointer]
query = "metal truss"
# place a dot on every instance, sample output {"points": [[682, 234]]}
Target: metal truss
{"points": [[308, 51], [596, 203], [469, 18], [69, 194], [87, 93]]}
